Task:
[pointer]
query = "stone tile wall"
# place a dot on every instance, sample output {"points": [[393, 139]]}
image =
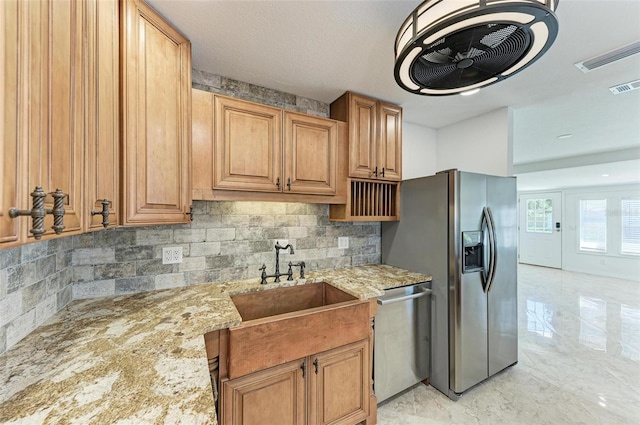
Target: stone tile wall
{"points": [[35, 283], [225, 241], [217, 84]]}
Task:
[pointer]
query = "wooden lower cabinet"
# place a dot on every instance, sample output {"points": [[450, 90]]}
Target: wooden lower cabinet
{"points": [[340, 385], [272, 396], [329, 388]]}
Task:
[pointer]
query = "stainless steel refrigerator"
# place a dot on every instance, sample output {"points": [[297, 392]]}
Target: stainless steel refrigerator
{"points": [[461, 228]]}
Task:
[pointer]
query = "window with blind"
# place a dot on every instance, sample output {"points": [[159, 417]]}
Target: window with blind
{"points": [[593, 225], [630, 226]]}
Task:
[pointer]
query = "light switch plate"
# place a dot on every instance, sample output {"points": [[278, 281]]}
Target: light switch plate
{"points": [[343, 242], [172, 255]]}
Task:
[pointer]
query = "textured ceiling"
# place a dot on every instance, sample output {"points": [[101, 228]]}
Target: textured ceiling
{"points": [[319, 49]]}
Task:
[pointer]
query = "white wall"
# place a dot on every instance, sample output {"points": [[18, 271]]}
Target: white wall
{"points": [[611, 263], [418, 151], [483, 144]]}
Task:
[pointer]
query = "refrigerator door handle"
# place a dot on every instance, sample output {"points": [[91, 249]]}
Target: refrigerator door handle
{"points": [[494, 248], [487, 270]]}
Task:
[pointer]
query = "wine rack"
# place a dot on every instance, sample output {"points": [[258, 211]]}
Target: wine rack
{"points": [[368, 200]]}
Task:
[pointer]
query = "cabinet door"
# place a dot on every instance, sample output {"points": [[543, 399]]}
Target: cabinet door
{"points": [[390, 142], [248, 146], [272, 396], [340, 385], [102, 140], [362, 136], [201, 140], [54, 92], [13, 192], [310, 154], [156, 102]]}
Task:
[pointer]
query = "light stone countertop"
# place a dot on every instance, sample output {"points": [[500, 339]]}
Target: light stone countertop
{"points": [[140, 358]]}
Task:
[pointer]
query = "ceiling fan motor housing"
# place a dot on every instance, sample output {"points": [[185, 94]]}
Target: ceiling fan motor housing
{"points": [[446, 47]]}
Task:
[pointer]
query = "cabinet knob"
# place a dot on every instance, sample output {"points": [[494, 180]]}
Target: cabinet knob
{"points": [[278, 183], [382, 172], [289, 184], [375, 171]]}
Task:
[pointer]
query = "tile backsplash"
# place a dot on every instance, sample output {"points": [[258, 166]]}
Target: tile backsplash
{"points": [[225, 241], [35, 283], [227, 86]]}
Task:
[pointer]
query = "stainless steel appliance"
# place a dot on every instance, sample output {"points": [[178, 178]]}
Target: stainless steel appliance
{"points": [[461, 228], [401, 343]]}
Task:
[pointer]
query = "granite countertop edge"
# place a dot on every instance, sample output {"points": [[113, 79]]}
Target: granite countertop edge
{"points": [[140, 358]]}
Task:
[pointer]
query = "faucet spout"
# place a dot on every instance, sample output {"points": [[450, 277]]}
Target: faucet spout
{"points": [[288, 246]]}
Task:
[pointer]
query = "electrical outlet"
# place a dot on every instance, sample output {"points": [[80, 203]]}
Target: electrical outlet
{"points": [[343, 242], [172, 255]]}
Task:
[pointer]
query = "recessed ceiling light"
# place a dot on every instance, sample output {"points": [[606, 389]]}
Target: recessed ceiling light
{"points": [[469, 92], [565, 136], [604, 175]]}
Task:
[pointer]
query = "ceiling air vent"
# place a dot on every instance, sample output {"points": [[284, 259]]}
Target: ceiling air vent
{"points": [[447, 47], [623, 88], [609, 57]]}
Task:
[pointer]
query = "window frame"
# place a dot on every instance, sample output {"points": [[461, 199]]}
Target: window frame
{"points": [[582, 250]]}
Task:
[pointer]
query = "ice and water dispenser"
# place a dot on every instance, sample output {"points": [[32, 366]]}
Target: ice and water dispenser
{"points": [[472, 251]]}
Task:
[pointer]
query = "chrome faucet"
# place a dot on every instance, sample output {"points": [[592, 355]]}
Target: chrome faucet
{"points": [[277, 273]]}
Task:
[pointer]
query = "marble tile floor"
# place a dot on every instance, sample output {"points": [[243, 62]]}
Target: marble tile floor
{"points": [[579, 360]]}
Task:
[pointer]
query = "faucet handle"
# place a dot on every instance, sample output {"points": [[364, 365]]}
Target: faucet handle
{"points": [[290, 272], [263, 275]]}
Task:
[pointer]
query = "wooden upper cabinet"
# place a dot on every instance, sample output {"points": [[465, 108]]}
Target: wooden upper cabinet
{"points": [[53, 65], [248, 146], [310, 154], [102, 135], [362, 136], [375, 136], [390, 141], [156, 114], [13, 193], [201, 140]]}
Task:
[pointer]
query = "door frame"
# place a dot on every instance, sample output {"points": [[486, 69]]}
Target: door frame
{"points": [[556, 218]]}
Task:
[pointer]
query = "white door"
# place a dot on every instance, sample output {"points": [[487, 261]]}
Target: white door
{"points": [[540, 229]]}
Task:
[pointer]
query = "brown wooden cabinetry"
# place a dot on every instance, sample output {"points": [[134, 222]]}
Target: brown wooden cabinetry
{"points": [[261, 151], [340, 385], [102, 132], [310, 154], [248, 146], [54, 93], [156, 111], [333, 387], [13, 189], [375, 136], [375, 159], [60, 120], [276, 396]]}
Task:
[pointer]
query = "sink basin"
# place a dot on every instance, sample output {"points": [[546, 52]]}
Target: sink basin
{"points": [[285, 324], [272, 302]]}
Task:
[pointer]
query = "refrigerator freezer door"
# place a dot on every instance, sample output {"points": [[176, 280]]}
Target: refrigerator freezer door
{"points": [[468, 303], [502, 295]]}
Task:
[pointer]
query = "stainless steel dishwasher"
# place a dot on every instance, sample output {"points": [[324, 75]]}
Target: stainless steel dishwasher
{"points": [[402, 339]]}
